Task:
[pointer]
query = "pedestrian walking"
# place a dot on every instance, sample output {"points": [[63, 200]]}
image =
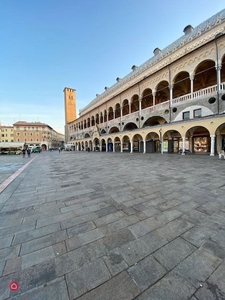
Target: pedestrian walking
{"points": [[59, 149], [28, 152], [23, 152]]}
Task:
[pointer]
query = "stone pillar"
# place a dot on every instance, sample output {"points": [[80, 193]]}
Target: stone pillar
{"points": [[113, 146], [212, 148], [131, 146], [121, 118], [218, 143], [153, 94], [183, 145], [121, 147], [106, 146], [192, 84], [218, 72], [140, 106], [100, 146], [129, 103], [171, 94], [144, 146]]}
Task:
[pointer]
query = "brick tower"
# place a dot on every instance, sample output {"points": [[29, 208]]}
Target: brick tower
{"points": [[70, 108]]}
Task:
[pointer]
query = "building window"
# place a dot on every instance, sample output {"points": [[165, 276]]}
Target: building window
{"points": [[25, 133], [197, 113], [31, 133], [2, 135], [18, 133], [186, 115]]}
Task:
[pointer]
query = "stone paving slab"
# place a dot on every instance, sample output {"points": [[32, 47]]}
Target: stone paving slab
{"points": [[113, 226]]}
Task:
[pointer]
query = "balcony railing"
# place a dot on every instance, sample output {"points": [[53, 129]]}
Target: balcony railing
{"points": [[207, 92]]}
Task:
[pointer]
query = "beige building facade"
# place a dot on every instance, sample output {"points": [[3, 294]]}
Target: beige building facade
{"points": [[174, 102], [6, 134], [37, 134]]}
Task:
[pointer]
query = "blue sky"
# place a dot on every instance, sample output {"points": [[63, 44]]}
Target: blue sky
{"points": [[47, 45]]}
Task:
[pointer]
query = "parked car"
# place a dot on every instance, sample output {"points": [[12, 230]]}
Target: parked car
{"points": [[36, 150]]}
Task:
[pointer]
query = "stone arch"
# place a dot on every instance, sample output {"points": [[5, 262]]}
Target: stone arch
{"points": [[172, 141], [162, 92], [153, 121], [97, 118], [130, 126], [137, 143], [204, 75], [152, 142], [87, 135], [147, 98], [199, 139], [92, 121], [126, 143], [114, 129], [117, 143], [125, 107], [117, 110], [181, 84], [134, 103], [103, 145], [110, 113], [96, 144]]}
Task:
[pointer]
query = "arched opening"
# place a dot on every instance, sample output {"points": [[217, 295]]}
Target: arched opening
{"points": [[117, 144], [103, 143], [117, 110], [114, 129], [153, 121], [134, 103], [110, 114], [125, 107], [205, 75], [182, 85], [147, 99], [126, 144], [138, 143], [162, 92], [130, 126]]}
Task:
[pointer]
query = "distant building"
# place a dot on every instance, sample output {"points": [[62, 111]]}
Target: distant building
{"points": [[172, 102], [37, 134], [6, 134]]}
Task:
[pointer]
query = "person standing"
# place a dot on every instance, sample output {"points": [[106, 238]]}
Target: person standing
{"points": [[59, 149]]}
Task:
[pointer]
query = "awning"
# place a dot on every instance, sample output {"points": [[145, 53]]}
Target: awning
{"points": [[11, 145]]}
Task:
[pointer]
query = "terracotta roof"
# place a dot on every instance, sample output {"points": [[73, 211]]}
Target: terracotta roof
{"points": [[30, 123]]}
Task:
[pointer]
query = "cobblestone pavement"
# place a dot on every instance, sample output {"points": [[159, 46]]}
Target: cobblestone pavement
{"points": [[113, 226]]}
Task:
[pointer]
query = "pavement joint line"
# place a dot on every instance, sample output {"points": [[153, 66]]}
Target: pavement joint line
{"points": [[10, 179]]}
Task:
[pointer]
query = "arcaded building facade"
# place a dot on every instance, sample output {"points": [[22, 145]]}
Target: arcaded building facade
{"points": [[172, 102]]}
